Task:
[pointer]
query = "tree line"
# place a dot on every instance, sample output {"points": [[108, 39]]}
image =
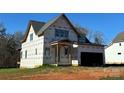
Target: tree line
{"points": [[10, 45]]}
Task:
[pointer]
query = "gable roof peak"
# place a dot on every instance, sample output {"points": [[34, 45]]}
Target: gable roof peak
{"points": [[37, 25], [62, 14], [40, 27], [54, 20], [49, 23]]}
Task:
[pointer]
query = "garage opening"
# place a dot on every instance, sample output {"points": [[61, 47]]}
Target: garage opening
{"points": [[91, 59]]}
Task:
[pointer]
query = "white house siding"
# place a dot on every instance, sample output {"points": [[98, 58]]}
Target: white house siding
{"points": [[89, 48], [49, 36], [32, 59], [111, 53]]}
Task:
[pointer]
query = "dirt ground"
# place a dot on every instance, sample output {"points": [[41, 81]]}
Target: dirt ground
{"points": [[78, 74]]}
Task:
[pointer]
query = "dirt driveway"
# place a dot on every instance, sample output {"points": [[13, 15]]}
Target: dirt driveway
{"points": [[78, 73]]}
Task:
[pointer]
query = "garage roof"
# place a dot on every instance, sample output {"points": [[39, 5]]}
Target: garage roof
{"points": [[119, 38]]}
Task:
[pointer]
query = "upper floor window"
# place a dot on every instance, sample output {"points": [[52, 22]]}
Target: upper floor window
{"points": [[31, 37], [61, 33], [81, 39]]}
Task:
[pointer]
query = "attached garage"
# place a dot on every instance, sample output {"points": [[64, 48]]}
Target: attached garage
{"points": [[91, 59]]}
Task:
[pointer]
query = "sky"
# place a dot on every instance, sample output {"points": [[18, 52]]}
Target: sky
{"points": [[110, 24]]}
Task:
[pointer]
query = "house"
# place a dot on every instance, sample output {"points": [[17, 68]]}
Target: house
{"points": [[58, 42], [114, 53]]}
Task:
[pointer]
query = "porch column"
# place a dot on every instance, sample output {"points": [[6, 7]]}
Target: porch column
{"points": [[70, 54], [57, 54]]}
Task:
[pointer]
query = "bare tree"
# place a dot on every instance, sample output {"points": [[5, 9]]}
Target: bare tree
{"points": [[81, 30], [90, 35], [18, 37], [93, 36], [98, 38]]}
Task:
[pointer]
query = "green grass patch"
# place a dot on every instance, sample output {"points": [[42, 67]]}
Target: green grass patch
{"points": [[14, 73], [17, 73]]}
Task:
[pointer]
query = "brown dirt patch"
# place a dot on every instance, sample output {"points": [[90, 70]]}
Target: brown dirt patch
{"points": [[78, 74]]}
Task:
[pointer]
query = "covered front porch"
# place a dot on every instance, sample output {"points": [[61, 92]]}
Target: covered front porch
{"points": [[65, 53]]}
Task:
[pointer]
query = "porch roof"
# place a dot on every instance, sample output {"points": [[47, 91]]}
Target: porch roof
{"points": [[62, 42], [69, 42]]}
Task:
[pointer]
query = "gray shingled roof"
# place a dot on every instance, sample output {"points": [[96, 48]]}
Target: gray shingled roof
{"points": [[119, 38], [54, 20], [37, 25], [40, 27], [47, 25]]}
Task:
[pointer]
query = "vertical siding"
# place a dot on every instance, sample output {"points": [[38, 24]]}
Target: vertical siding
{"points": [[49, 36], [32, 59], [111, 54]]}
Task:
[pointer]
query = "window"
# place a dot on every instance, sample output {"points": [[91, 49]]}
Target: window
{"points": [[36, 51], [21, 54], [61, 33], [47, 51], [119, 44], [119, 53], [26, 54], [31, 37], [66, 50], [81, 39]]}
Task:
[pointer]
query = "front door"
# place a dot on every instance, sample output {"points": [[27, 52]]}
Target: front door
{"points": [[64, 55]]}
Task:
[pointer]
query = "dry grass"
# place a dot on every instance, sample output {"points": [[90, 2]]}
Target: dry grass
{"points": [[62, 73]]}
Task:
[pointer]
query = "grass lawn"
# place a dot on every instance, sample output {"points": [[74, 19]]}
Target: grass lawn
{"points": [[63, 73], [17, 73]]}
